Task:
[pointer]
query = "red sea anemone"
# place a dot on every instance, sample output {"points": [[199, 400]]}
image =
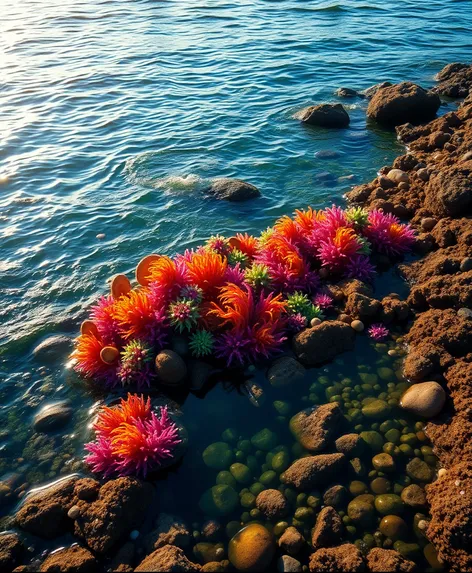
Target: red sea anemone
{"points": [[336, 251], [131, 439], [166, 278], [247, 244]]}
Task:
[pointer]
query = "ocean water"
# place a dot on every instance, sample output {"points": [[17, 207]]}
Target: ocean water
{"points": [[114, 115]]}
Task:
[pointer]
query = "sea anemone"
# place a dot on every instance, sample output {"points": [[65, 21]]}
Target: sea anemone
{"points": [[138, 318], [358, 216], [238, 257], [183, 314], [88, 362], [257, 276], [359, 267], [136, 364], [378, 332], [336, 251], [192, 292], [388, 235], [299, 303], [235, 275], [102, 315], [323, 301], [247, 244], [131, 439], [201, 343], [219, 244], [166, 278], [207, 270], [296, 322]]}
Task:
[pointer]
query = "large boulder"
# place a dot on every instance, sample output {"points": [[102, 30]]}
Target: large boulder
{"points": [[323, 342], [325, 115], [53, 348], [403, 103], [11, 549], [316, 428], [449, 191], [233, 189], [167, 559], [74, 559], [346, 557], [312, 471], [455, 80]]}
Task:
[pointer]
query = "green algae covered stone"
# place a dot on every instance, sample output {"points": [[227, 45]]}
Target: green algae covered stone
{"points": [[377, 409], [373, 439], [241, 473], [219, 500], [281, 461], [389, 504], [218, 456], [225, 478], [264, 440]]}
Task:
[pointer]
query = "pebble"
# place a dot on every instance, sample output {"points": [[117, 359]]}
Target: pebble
{"points": [[464, 312], [423, 174], [403, 186], [442, 472], [315, 321], [357, 325], [101, 236], [392, 352], [425, 399], [134, 535], [52, 417], [422, 524], [220, 553], [428, 224], [287, 564], [73, 512], [398, 176], [467, 156], [466, 264]]}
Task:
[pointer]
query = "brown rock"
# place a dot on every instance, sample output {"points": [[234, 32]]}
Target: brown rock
{"points": [[315, 428], [403, 103], [425, 399], [170, 530], [388, 561], [335, 496], [343, 558], [11, 550], [233, 190], [74, 559], [272, 504], [449, 191], [323, 342], [120, 507], [291, 541], [394, 309], [123, 560], [350, 444], [170, 368], [285, 371], [455, 80], [414, 496], [362, 307], [328, 529], [87, 489], [325, 115], [167, 559], [307, 473]]}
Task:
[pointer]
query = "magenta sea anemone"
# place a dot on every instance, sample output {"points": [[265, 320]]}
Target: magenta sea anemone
{"points": [[388, 235], [136, 365], [324, 301], [378, 332]]}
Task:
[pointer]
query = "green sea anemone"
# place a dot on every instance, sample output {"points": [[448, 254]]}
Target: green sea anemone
{"points": [[257, 276], [299, 303], [236, 256], [358, 216], [201, 343]]}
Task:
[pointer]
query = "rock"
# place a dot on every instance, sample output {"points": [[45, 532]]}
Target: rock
{"points": [[373, 440], [343, 558], [219, 500], [123, 560], [389, 503], [335, 496], [398, 176], [307, 473], [170, 368], [216, 566], [11, 550], [233, 190], [403, 103], [325, 115], [357, 325], [252, 548], [350, 444], [419, 470], [377, 410], [285, 371], [200, 373], [361, 511], [167, 559], [464, 313], [328, 529], [170, 530], [370, 92], [323, 342], [316, 428], [44, 513], [425, 399], [346, 92], [291, 541], [264, 440], [212, 529], [120, 507], [74, 559], [73, 512], [53, 348], [388, 561], [272, 504], [414, 496], [466, 264], [455, 81], [393, 527], [449, 191], [383, 463], [241, 473], [218, 456], [52, 416], [87, 489], [363, 307], [287, 564]]}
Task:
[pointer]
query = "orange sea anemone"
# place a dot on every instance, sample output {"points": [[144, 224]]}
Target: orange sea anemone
{"points": [[207, 270]]}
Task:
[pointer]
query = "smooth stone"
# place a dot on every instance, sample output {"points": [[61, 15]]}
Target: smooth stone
{"points": [[346, 92], [428, 223], [414, 496], [325, 115], [361, 512], [357, 325], [376, 409], [383, 463], [264, 440], [287, 564], [393, 527], [73, 512], [425, 399], [419, 470], [252, 548], [466, 264], [52, 416], [170, 368], [53, 348], [398, 176], [218, 456], [219, 500], [464, 312], [389, 503], [409, 551], [285, 371], [241, 473], [373, 439], [380, 485], [225, 188]]}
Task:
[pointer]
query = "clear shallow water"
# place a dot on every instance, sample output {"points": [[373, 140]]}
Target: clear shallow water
{"points": [[113, 116]]}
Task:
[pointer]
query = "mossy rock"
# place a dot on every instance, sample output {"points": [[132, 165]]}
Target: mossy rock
{"points": [[377, 409], [282, 408], [419, 470], [241, 473], [219, 500], [218, 456], [226, 478], [281, 461], [265, 440], [389, 504], [230, 435], [361, 512], [373, 439]]}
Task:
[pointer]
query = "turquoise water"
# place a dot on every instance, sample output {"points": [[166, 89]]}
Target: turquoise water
{"points": [[114, 115]]}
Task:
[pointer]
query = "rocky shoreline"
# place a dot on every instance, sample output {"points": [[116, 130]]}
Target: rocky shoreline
{"points": [[431, 187]]}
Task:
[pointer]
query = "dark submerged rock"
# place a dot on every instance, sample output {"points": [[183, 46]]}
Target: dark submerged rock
{"points": [[52, 416], [323, 342], [235, 190], [11, 550], [316, 429], [74, 559], [307, 473], [53, 348]]}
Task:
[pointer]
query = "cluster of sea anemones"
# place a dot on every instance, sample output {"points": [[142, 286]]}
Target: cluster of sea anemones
{"points": [[234, 298]]}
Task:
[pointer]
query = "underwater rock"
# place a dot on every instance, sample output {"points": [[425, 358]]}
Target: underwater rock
{"points": [[414, 496], [167, 559], [170, 368], [44, 513], [328, 528], [363, 307], [285, 371], [402, 103], [272, 504], [388, 561], [235, 190], [218, 456], [393, 527], [241, 473], [252, 548], [74, 559], [287, 564], [52, 416], [389, 503], [212, 529], [123, 560], [346, 557], [351, 445], [87, 489], [361, 511], [377, 409], [120, 507], [219, 500], [53, 348], [425, 399], [324, 342], [11, 550], [336, 496], [455, 80], [346, 92], [264, 440], [307, 473], [419, 470], [316, 427], [291, 541], [373, 440], [170, 530], [325, 115]]}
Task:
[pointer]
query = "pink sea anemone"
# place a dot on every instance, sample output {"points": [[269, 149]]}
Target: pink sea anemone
{"points": [[378, 332], [102, 315], [388, 235], [324, 301]]}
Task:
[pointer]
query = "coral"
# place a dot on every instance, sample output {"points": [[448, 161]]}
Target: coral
{"points": [[166, 278], [323, 301], [299, 303], [359, 267], [136, 364], [201, 343], [336, 251], [296, 322], [247, 244], [207, 270], [131, 439], [378, 332], [183, 314], [358, 216], [191, 292], [102, 315]]}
